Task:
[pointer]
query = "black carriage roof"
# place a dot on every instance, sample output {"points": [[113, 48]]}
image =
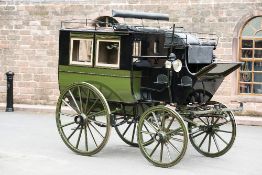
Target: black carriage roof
{"points": [[185, 37], [119, 28]]}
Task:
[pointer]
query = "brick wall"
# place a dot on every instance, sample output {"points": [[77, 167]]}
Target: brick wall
{"points": [[29, 36]]}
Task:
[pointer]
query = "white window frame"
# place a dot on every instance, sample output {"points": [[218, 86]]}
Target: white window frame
{"points": [[71, 52], [97, 54], [137, 45]]}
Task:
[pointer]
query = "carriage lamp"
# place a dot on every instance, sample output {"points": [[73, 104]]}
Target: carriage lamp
{"points": [[177, 65], [172, 56], [168, 64]]}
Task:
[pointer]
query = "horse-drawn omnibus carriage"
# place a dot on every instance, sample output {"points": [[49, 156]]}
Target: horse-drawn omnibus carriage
{"points": [[147, 83]]}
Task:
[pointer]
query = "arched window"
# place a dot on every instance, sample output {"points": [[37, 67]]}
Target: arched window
{"points": [[250, 53], [105, 21]]}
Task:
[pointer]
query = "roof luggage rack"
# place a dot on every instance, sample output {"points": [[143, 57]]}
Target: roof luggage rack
{"points": [[84, 24], [183, 39]]}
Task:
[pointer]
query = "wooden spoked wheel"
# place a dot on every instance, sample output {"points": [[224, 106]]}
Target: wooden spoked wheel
{"points": [[214, 134], [126, 125], [126, 128], [83, 118], [167, 129]]}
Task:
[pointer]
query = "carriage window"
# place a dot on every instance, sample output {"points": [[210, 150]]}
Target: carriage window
{"points": [[137, 48], [156, 47], [250, 77], [108, 53], [81, 51]]}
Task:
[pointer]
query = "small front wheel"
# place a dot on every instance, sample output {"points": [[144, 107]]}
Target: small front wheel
{"points": [[214, 134], [83, 118], [127, 130], [168, 133]]}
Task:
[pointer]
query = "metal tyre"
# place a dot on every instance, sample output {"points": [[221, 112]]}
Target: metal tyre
{"points": [[214, 135], [167, 129], [83, 118]]}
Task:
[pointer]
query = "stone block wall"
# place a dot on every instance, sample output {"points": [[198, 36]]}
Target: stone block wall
{"points": [[29, 37]]}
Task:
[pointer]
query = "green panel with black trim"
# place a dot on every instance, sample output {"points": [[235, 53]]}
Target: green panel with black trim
{"points": [[115, 84]]}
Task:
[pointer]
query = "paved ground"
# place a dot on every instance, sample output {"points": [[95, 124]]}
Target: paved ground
{"points": [[243, 120], [30, 145]]}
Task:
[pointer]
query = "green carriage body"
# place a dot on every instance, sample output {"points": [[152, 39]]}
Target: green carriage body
{"points": [[146, 82], [114, 82]]}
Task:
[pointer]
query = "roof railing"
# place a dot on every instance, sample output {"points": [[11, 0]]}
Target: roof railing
{"points": [[83, 23]]}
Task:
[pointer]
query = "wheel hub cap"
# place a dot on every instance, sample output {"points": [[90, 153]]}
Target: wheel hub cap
{"points": [[209, 129], [79, 119], [161, 136]]}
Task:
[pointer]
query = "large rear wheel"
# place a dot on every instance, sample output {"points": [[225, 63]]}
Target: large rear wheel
{"points": [[83, 118]]}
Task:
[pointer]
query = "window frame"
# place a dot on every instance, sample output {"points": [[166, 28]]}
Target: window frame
{"points": [[97, 64], [252, 60], [71, 62], [137, 48]]}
